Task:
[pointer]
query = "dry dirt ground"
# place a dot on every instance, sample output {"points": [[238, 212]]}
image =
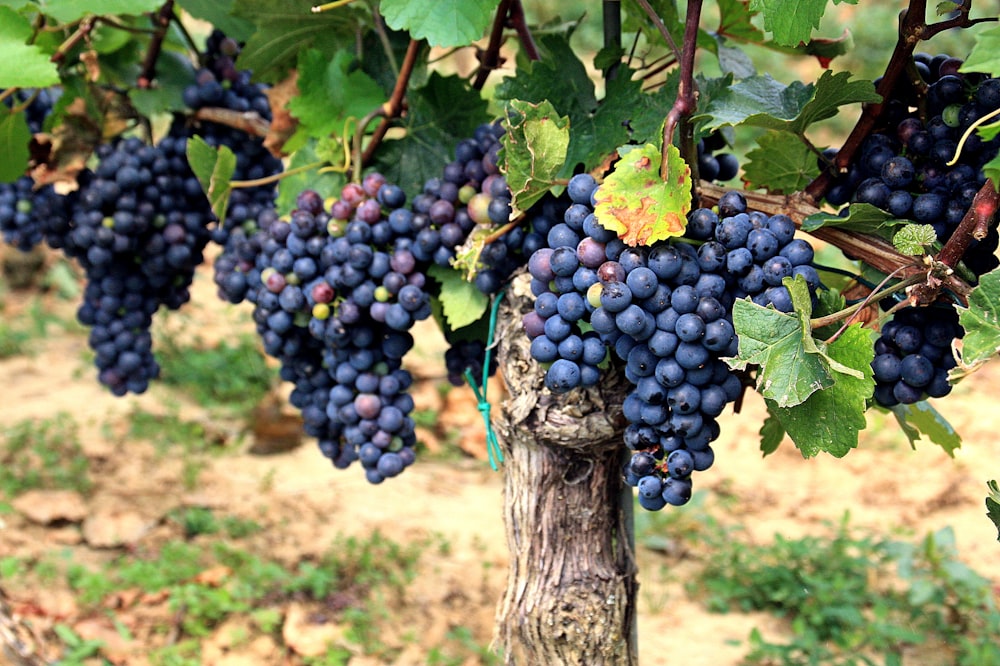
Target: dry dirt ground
{"points": [[304, 503]]}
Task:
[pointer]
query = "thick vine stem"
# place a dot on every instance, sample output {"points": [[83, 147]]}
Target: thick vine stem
{"points": [[684, 105], [571, 585], [520, 25], [490, 58], [976, 224], [162, 21], [388, 111]]}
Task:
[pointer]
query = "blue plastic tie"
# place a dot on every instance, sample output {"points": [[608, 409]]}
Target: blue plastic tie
{"points": [[493, 449]]}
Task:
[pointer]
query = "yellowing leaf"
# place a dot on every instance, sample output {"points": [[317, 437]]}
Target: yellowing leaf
{"points": [[640, 206]]}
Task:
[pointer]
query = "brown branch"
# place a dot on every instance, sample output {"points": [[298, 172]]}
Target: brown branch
{"points": [[82, 32], [911, 27], [520, 25], [250, 122], [975, 224], [162, 21], [685, 103], [490, 58], [661, 27], [388, 111], [960, 21]]}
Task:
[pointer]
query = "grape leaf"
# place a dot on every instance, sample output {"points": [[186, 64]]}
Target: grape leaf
{"points": [[441, 22], [981, 321], [761, 101], [327, 183], [626, 115], [993, 505], [793, 365], [286, 28], [921, 421], [985, 54], [220, 14], [14, 138], [914, 239], [440, 114], [461, 300], [214, 169], [636, 203], [861, 217], [735, 21], [781, 163], [24, 65], [830, 420], [67, 11], [771, 433], [534, 150], [791, 21], [330, 91], [992, 171]]}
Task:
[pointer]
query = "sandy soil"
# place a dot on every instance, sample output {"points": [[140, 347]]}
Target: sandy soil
{"points": [[305, 503]]}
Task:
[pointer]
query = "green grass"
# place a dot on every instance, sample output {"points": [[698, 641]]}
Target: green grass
{"points": [[42, 454], [361, 580], [18, 336], [852, 598], [229, 376]]}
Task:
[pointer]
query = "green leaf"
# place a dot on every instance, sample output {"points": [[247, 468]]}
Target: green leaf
{"points": [[626, 115], [790, 21], [24, 65], [735, 21], [781, 163], [830, 419], [921, 421], [771, 433], [987, 132], [285, 28], [981, 321], [443, 23], [637, 204], [985, 54], [327, 183], [914, 239], [440, 114], [461, 300], [993, 505], [793, 365], [534, 150], [14, 139], [67, 11], [220, 14], [331, 90], [214, 169], [861, 217], [992, 171], [761, 101]]}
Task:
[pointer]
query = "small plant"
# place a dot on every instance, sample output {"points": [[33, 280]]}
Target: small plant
{"points": [[845, 604], [42, 453], [227, 376]]}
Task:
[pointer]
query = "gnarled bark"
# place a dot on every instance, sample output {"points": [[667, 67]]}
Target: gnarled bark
{"points": [[571, 586]]}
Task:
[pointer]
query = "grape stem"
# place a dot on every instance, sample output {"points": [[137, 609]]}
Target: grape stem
{"points": [[490, 58], [82, 32], [520, 25], [501, 231], [389, 111], [849, 314], [162, 21], [684, 104], [662, 28], [267, 180]]}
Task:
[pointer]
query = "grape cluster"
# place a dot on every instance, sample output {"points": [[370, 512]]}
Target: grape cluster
{"points": [[666, 311], [913, 355], [903, 168], [26, 212], [139, 227], [715, 165], [336, 290]]}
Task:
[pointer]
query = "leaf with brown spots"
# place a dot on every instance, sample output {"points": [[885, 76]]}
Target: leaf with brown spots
{"points": [[640, 206]]}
